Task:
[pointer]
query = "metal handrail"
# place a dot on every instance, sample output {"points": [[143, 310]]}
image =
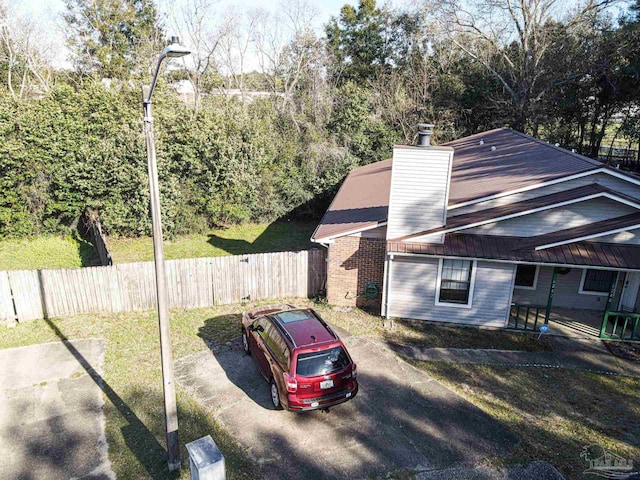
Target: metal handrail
{"points": [[624, 326], [527, 310]]}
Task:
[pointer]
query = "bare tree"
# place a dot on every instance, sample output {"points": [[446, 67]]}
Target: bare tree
{"points": [[236, 40], [26, 52], [510, 39], [196, 23], [288, 51]]}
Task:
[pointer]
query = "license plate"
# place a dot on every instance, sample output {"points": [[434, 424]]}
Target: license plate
{"points": [[326, 384]]}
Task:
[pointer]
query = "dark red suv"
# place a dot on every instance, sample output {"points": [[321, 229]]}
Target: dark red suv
{"points": [[306, 364]]}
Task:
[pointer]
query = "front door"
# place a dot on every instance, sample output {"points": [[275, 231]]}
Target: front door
{"points": [[630, 292]]}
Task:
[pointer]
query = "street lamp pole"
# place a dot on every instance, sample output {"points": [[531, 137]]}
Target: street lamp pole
{"points": [[170, 408]]}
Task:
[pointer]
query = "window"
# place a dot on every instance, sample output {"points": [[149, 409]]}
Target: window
{"points": [[527, 277], [322, 362], [274, 341], [597, 282], [455, 282]]}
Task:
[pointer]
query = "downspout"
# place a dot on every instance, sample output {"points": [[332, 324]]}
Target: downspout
{"points": [[386, 286]]}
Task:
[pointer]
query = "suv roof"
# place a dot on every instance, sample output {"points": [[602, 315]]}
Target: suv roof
{"points": [[303, 327]]}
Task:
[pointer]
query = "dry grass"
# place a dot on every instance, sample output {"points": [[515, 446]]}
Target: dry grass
{"points": [[555, 412]]}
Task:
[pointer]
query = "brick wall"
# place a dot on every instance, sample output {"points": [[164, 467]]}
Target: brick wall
{"points": [[353, 263]]}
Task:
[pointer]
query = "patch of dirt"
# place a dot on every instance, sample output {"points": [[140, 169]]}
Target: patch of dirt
{"points": [[628, 351]]}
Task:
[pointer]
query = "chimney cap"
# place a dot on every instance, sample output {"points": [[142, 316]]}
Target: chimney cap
{"points": [[425, 130]]}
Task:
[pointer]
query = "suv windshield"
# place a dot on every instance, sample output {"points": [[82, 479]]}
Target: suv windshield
{"points": [[323, 362]]}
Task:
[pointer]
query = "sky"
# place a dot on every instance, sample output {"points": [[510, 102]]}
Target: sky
{"points": [[48, 13]]}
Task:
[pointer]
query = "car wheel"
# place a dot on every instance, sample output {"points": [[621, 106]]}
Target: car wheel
{"points": [[275, 395], [245, 342]]}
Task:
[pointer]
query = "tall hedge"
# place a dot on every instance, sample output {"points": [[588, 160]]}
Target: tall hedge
{"points": [[229, 162]]}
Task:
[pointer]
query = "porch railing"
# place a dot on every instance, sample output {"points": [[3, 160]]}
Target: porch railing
{"points": [[620, 326], [527, 317]]}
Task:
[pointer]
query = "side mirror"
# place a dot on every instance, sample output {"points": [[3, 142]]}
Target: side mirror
{"points": [[260, 328]]}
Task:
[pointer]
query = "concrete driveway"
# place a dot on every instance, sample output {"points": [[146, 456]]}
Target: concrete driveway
{"points": [[51, 420], [401, 418]]}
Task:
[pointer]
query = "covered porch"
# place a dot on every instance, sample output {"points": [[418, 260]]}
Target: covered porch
{"points": [[577, 302]]}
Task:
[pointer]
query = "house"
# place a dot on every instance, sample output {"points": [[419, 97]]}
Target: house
{"points": [[496, 229]]}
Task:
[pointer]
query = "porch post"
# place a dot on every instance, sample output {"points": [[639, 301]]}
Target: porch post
{"points": [[605, 315], [612, 293], [552, 287]]}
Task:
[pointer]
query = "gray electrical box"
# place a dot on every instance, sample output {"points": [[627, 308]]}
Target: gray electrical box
{"points": [[205, 460]]}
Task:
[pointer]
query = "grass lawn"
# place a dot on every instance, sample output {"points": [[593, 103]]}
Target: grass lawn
{"points": [[555, 412], [67, 252], [45, 252], [236, 240]]}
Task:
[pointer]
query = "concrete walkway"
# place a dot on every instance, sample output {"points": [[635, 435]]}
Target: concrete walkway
{"points": [[51, 420], [568, 353]]}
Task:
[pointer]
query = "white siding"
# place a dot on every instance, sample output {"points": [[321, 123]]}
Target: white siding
{"points": [[419, 189], [560, 218], [412, 291], [615, 184], [565, 294]]}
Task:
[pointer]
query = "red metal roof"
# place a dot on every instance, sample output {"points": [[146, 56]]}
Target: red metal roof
{"points": [[478, 171], [608, 255]]}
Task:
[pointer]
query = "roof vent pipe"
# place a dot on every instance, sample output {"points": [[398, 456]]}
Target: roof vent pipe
{"points": [[424, 134]]}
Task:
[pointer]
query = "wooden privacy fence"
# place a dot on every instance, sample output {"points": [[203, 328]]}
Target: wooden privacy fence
{"points": [[193, 282]]}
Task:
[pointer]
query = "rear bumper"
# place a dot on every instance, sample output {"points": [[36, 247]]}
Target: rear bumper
{"points": [[304, 405]]}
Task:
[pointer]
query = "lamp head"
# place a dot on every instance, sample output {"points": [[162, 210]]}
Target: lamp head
{"points": [[175, 50]]}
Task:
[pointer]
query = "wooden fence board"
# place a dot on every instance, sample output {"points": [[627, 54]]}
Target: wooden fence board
{"points": [[7, 312], [195, 282], [25, 285]]}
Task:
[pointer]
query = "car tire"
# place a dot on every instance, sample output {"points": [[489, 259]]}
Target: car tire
{"points": [[245, 342], [275, 395]]}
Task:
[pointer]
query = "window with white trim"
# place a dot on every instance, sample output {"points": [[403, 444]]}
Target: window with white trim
{"points": [[526, 276], [597, 282], [456, 282]]}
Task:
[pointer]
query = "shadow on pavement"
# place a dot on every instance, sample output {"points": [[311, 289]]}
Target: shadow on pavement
{"points": [[138, 438], [401, 418]]}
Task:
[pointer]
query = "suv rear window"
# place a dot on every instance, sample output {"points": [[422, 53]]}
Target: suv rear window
{"points": [[322, 362]]}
